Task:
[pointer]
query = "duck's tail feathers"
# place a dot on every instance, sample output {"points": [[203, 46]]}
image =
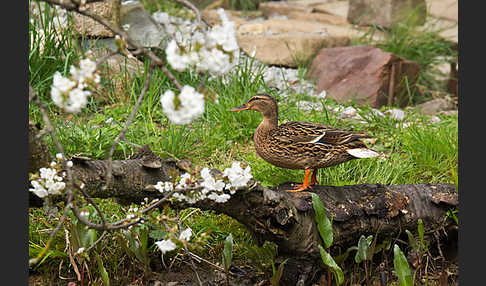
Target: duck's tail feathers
{"points": [[362, 153]]}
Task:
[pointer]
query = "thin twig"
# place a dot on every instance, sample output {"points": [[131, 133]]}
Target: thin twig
{"points": [[186, 251], [96, 242], [192, 7], [69, 193], [106, 57], [94, 204], [129, 121]]}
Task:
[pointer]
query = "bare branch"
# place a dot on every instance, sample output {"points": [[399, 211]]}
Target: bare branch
{"points": [[129, 121], [193, 8]]}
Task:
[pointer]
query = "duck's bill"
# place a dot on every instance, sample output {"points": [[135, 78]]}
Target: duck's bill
{"points": [[240, 108]]}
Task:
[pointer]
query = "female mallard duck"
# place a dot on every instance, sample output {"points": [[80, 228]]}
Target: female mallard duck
{"points": [[302, 145]]}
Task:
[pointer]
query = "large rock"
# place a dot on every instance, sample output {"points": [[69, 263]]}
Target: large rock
{"points": [[444, 9], [109, 10], [211, 17], [319, 17], [363, 75], [289, 43], [337, 8], [385, 13], [273, 8], [435, 106]]}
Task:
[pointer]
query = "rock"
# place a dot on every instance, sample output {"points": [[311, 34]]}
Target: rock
{"points": [[444, 9], [435, 106], [396, 114], [290, 42], [448, 30], [337, 8], [449, 112], [385, 13], [272, 8], [319, 17], [141, 27], [307, 105], [362, 74], [109, 10], [211, 17]]}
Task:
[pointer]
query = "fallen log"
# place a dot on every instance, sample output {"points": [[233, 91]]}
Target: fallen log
{"points": [[286, 219]]}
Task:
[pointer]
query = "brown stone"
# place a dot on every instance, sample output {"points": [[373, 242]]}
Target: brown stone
{"points": [[273, 8], [435, 106], [364, 75], [337, 8], [319, 17], [444, 9], [109, 10], [385, 13], [289, 43], [212, 18]]}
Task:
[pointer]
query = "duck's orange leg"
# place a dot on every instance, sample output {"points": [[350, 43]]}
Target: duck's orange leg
{"points": [[305, 185], [313, 178]]}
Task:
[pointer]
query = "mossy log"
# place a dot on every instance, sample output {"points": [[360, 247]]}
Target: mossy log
{"points": [[284, 218]]}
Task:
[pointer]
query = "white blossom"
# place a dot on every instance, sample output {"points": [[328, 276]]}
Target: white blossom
{"points": [[215, 50], [219, 198], [166, 245], [190, 105], [84, 213], [38, 189], [186, 234], [70, 93], [164, 186], [237, 176], [209, 183], [48, 184], [177, 59]]}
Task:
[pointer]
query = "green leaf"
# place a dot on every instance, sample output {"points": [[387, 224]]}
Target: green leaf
{"points": [[102, 270], [228, 252], [420, 229], [402, 268], [411, 239], [323, 223], [275, 280], [363, 249], [329, 261]]}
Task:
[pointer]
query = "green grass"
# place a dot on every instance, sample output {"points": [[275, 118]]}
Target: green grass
{"points": [[419, 153]]}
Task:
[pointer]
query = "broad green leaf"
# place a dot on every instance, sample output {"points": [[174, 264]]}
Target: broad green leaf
{"points": [[363, 249], [402, 268], [329, 261], [89, 237], [420, 228], [275, 280], [228, 252], [103, 272], [323, 223], [411, 239]]}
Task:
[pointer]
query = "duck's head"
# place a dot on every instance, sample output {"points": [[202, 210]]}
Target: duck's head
{"points": [[264, 103]]}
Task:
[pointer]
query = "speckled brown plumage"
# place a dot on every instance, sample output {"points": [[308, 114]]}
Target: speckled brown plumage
{"points": [[300, 145]]}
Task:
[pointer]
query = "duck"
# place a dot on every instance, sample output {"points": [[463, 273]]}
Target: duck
{"points": [[302, 145]]}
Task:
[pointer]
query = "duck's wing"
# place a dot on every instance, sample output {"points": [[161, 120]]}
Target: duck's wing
{"points": [[292, 132]]}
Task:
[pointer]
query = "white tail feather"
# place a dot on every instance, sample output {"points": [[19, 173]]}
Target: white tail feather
{"points": [[362, 153]]}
